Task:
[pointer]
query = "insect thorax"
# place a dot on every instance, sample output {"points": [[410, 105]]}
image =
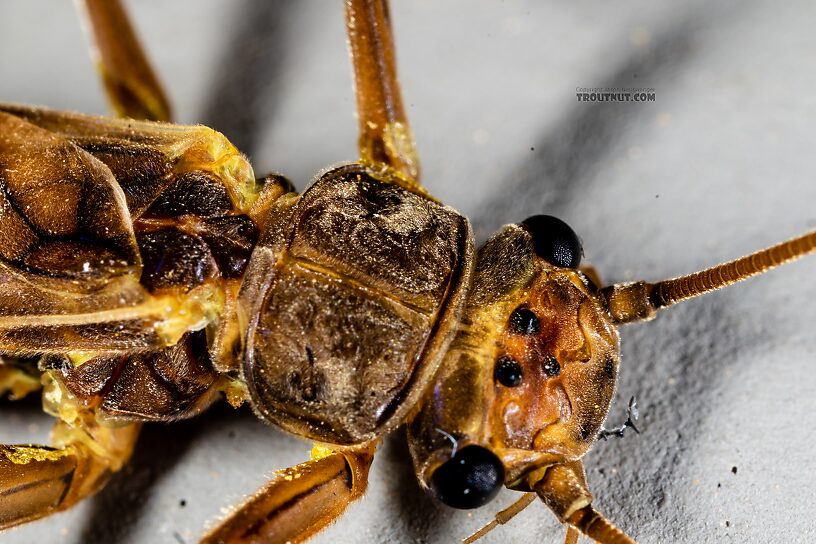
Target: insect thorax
{"points": [[352, 295]]}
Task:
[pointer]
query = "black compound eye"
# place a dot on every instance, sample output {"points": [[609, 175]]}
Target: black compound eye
{"points": [[554, 241], [469, 479], [507, 372], [524, 321]]}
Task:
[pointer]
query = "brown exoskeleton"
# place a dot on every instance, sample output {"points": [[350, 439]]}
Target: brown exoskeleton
{"points": [[566, 290]]}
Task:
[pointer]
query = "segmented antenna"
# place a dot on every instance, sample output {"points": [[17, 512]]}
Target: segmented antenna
{"points": [[628, 302]]}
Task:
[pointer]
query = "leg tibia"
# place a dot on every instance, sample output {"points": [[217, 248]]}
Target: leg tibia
{"points": [[132, 87], [33, 481], [298, 502], [36, 481]]}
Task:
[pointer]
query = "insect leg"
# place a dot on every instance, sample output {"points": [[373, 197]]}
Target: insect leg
{"points": [[132, 87], [299, 501], [36, 481], [386, 140], [564, 490]]}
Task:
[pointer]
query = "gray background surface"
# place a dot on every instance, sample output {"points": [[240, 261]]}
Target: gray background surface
{"points": [[720, 165]]}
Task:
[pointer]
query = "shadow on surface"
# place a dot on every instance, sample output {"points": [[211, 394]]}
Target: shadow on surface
{"points": [[420, 515], [673, 370], [244, 96], [556, 173], [118, 509]]}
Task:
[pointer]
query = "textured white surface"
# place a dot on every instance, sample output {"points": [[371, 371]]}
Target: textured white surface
{"points": [[720, 165]]}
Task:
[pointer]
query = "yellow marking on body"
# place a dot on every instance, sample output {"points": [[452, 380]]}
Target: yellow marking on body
{"points": [[171, 315], [387, 173], [79, 358], [57, 401], [575, 506], [319, 452], [244, 189], [200, 307], [399, 141], [140, 311], [52, 395], [66, 436], [535, 476], [236, 393], [22, 455], [210, 150], [292, 473]]}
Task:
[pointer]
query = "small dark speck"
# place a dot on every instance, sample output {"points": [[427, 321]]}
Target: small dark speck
{"points": [[657, 196], [231, 434], [733, 470], [719, 485], [532, 149], [182, 503], [727, 523], [601, 471]]}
